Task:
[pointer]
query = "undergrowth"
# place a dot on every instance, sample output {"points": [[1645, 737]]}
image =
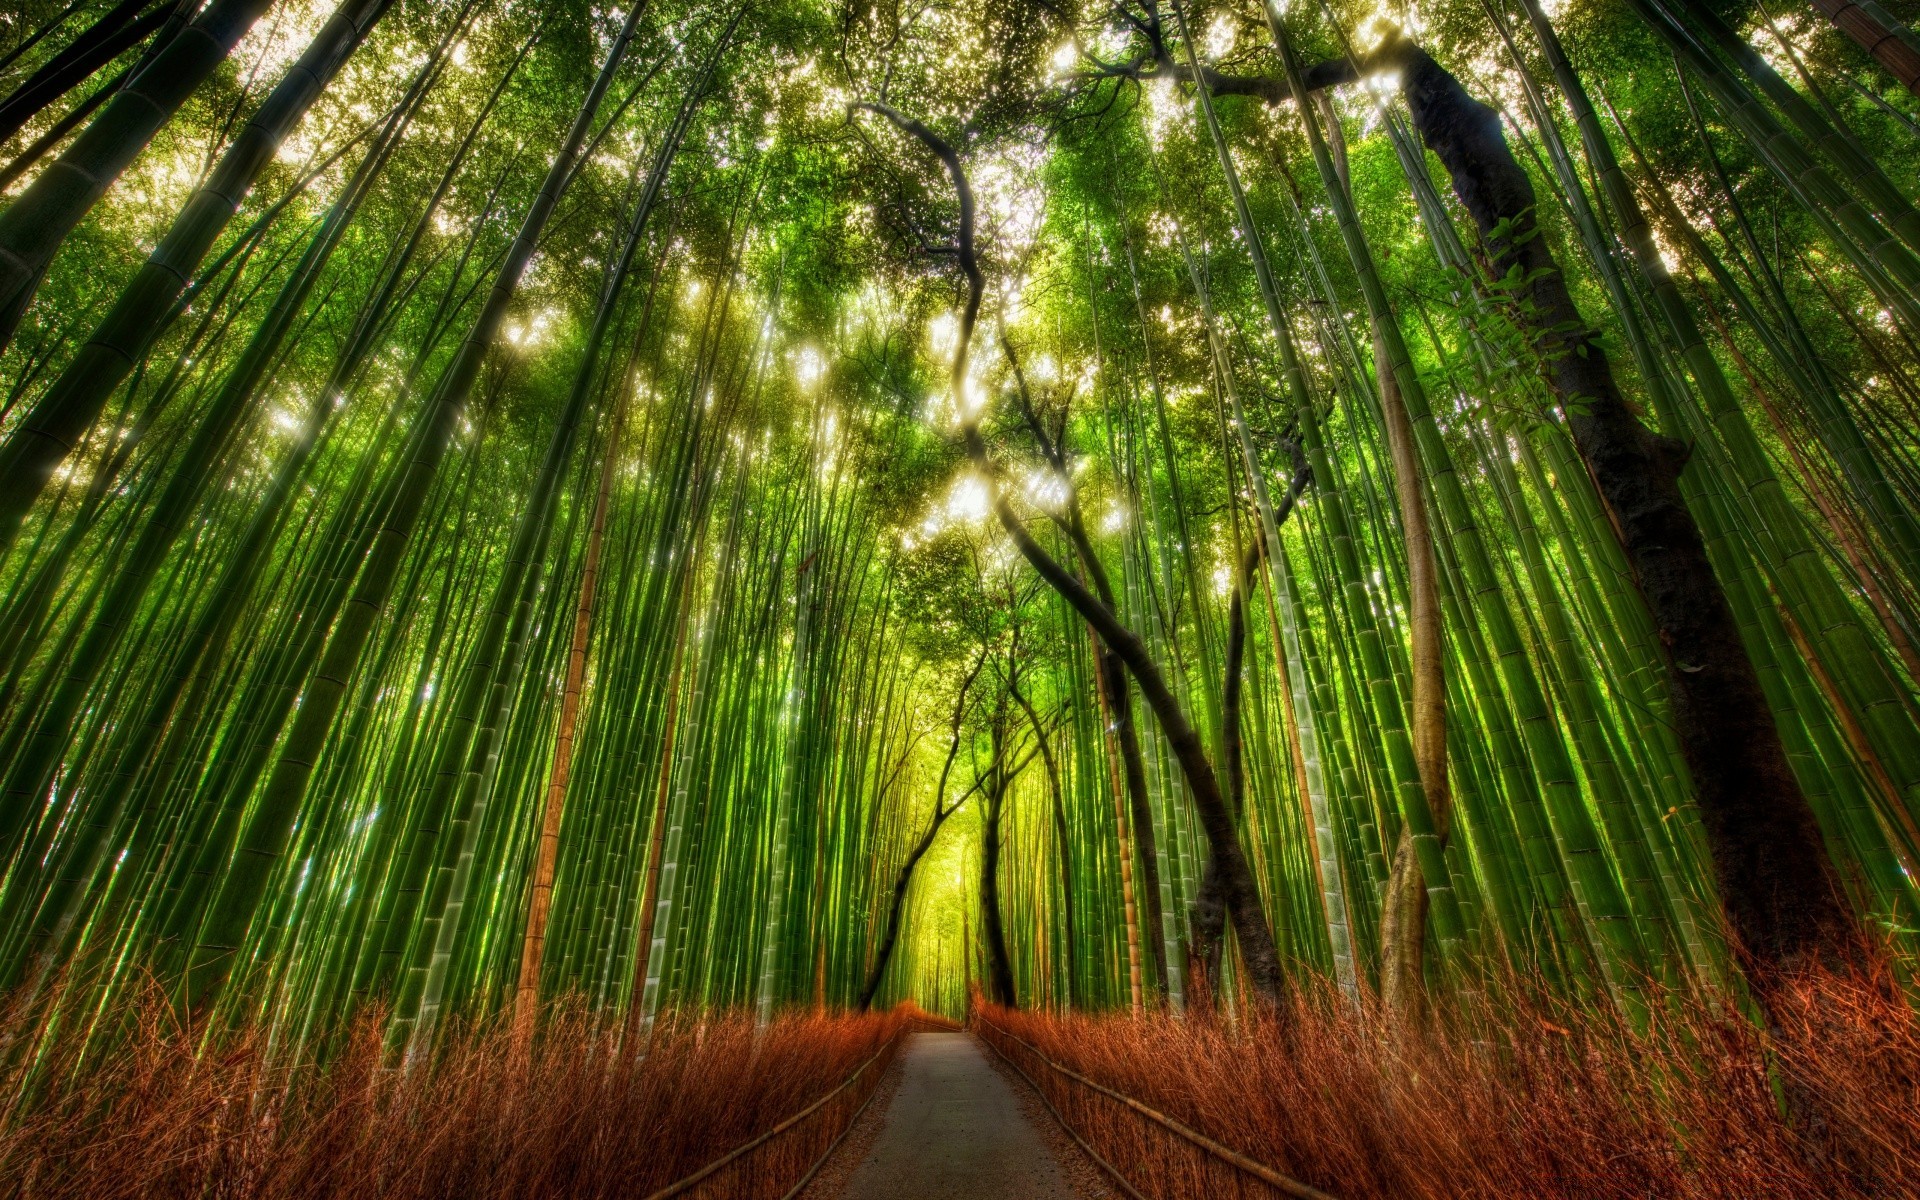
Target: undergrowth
{"points": [[158, 1114], [1506, 1093], [1508, 1096]]}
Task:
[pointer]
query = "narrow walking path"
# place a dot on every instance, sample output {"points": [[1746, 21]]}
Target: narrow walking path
{"points": [[955, 1129]]}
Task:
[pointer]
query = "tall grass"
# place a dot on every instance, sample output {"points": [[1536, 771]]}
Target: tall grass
{"points": [[578, 1116], [1509, 1095]]}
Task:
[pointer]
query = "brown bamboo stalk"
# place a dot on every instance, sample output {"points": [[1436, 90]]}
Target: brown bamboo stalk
{"points": [[526, 997], [1880, 35], [1403, 932], [1403, 922]]}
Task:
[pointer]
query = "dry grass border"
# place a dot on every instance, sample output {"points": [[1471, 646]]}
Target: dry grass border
{"points": [[1517, 1096], [163, 1116]]}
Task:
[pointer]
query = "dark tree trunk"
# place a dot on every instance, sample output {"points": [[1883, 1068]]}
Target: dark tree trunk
{"points": [[1209, 921], [1000, 986], [1120, 705], [1111, 679], [1783, 907], [1209, 917], [883, 954], [941, 811], [1249, 914], [1241, 892]]}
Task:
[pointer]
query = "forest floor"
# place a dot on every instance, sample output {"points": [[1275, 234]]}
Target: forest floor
{"points": [[950, 1124]]}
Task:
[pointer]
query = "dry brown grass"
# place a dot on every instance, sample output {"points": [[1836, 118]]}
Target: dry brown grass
{"points": [[1520, 1098], [577, 1118]]}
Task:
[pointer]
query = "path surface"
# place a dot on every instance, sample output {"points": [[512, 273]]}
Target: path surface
{"points": [[955, 1129]]}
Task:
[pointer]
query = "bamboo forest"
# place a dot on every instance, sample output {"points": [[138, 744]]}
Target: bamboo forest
{"points": [[924, 598]]}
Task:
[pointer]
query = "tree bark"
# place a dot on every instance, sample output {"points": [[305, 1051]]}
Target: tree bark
{"points": [[1116, 697], [1209, 916], [883, 954], [1000, 985], [1403, 920], [1783, 906], [1140, 813], [1403, 935]]}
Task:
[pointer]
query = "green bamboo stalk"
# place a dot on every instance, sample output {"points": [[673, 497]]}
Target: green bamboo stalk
{"points": [[71, 403]]}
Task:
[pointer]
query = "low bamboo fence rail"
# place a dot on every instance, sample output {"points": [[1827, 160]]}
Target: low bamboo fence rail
{"points": [[767, 1166], [1144, 1151]]}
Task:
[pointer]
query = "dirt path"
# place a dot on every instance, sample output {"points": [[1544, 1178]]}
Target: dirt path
{"points": [[955, 1128]]}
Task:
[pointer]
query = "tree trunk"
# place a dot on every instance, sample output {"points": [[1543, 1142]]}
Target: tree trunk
{"points": [[883, 954], [1209, 906], [1242, 893], [1782, 904], [1209, 919], [1000, 986], [1403, 935], [1127, 733], [1116, 699], [1403, 920]]}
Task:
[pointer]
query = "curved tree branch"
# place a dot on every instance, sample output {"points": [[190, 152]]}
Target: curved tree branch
{"points": [[1248, 911]]}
